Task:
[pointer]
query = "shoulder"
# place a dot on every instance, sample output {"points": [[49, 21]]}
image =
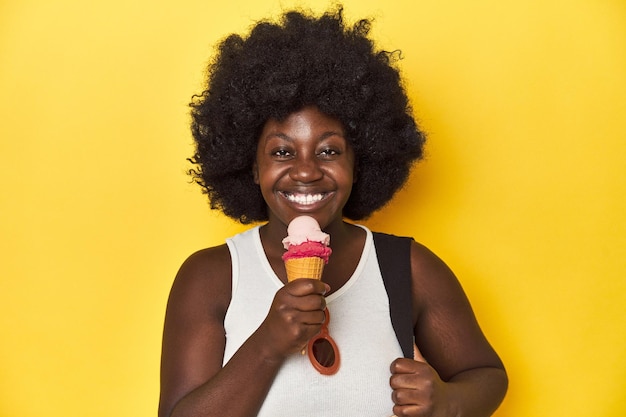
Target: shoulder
{"points": [[209, 261], [203, 281], [432, 278], [425, 263], [435, 288]]}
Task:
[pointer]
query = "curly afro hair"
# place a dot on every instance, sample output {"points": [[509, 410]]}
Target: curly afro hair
{"points": [[279, 69]]}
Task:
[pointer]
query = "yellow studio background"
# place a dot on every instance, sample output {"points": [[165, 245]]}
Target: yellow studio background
{"points": [[523, 192]]}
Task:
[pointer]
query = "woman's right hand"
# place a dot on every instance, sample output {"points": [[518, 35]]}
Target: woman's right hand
{"points": [[295, 316]]}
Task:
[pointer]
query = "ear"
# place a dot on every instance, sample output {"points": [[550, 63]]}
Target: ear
{"points": [[255, 172]]}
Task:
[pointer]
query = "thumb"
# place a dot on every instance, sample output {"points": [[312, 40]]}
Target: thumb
{"points": [[417, 355]]}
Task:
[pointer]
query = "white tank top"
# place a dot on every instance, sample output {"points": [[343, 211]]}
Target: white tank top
{"points": [[360, 325]]}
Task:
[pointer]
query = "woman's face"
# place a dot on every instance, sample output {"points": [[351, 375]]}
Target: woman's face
{"points": [[304, 165]]}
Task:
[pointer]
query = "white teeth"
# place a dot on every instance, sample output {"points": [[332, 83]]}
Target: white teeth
{"points": [[304, 198]]}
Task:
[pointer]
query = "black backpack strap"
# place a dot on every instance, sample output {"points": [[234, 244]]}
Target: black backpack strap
{"points": [[394, 260]]}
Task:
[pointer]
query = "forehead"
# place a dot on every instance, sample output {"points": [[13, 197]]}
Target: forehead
{"points": [[306, 123]]}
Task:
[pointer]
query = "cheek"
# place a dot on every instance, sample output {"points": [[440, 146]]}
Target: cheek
{"points": [[267, 176]]}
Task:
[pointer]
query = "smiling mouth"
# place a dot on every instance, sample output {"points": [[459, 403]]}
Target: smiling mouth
{"points": [[304, 199]]}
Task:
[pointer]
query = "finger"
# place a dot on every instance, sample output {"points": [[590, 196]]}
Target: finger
{"points": [[305, 286], [314, 318], [404, 397], [404, 366], [311, 302], [408, 410], [402, 381]]}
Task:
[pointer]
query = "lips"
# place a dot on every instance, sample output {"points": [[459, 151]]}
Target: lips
{"points": [[304, 199]]}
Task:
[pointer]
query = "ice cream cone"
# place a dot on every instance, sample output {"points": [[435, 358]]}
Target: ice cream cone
{"points": [[309, 267]]}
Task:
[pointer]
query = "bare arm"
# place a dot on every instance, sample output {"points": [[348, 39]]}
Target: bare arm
{"points": [[463, 376], [193, 382]]}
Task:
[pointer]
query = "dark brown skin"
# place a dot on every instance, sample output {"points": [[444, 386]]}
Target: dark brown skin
{"points": [[307, 154], [464, 376]]}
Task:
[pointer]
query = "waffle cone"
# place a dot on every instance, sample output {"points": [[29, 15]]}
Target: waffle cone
{"points": [[309, 267]]}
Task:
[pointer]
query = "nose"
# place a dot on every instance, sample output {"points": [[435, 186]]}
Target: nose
{"points": [[306, 169]]}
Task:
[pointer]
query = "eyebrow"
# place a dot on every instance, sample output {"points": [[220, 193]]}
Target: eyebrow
{"points": [[288, 138]]}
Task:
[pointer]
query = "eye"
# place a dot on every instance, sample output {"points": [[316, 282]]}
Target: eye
{"points": [[281, 153], [328, 153]]}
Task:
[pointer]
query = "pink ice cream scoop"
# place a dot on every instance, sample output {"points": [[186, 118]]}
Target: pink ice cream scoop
{"points": [[307, 249]]}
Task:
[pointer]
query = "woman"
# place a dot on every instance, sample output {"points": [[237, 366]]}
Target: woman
{"points": [[306, 117]]}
